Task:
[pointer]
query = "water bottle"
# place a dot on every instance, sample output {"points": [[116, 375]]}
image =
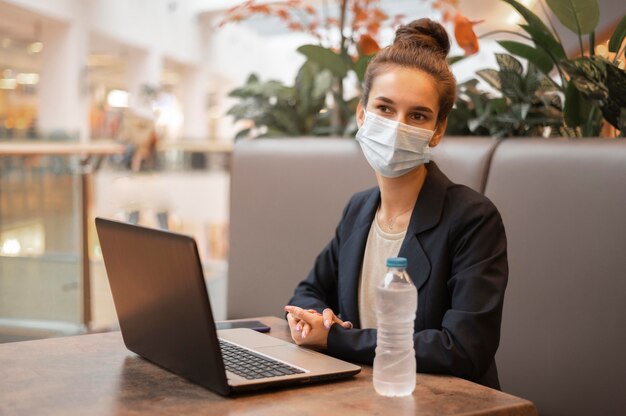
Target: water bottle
{"points": [[396, 305]]}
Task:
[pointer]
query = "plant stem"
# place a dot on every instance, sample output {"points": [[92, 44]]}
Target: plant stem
{"points": [[580, 42], [617, 55], [591, 128], [337, 117], [592, 44]]}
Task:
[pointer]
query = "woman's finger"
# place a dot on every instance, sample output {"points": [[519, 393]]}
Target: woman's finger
{"points": [[300, 313], [330, 317], [306, 330]]}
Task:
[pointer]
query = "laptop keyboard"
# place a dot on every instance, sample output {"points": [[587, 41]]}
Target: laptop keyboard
{"points": [[253, 366]]}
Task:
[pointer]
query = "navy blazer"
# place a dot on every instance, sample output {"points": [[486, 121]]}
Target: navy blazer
{"points": [[457, 258]]}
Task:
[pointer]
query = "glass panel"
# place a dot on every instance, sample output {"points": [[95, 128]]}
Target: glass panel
{"points": [[40, 269]]}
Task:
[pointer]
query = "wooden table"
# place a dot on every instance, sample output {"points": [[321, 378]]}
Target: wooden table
{"points": [[97, 375]]}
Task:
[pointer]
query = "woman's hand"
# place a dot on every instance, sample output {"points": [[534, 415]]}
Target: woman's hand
{"points": [[310, 328]]}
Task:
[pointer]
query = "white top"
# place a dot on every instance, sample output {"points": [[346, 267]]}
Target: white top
{"points": [[380, 246]]}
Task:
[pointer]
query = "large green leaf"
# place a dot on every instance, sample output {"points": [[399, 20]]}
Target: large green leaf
{"points": [[513, 86], [579, 16], [535, 55], [576, 107], [361, 66], [618, 36], [454, 59], [326, 58], [491, 77], [305, 83], [532, 80], [546, 42], [538, 31], [509, 63], [323, 82]]}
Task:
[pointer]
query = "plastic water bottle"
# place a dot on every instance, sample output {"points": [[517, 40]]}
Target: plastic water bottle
{"points": [[396, 305]]}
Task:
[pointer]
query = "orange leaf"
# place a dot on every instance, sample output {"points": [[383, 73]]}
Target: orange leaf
{"points": [[464, 34], [373, 27], [367, 45], [379, 14], [295, 26], [261, 8], [282, 14]]}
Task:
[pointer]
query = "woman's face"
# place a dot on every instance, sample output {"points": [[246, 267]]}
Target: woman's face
{"points": [[407, 95]]}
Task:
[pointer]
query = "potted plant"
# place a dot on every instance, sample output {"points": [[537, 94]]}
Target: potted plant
{"points": [[316, 103], [559, 95]]}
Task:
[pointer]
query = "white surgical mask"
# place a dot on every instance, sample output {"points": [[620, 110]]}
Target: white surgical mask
{"points": [[393, 148]]}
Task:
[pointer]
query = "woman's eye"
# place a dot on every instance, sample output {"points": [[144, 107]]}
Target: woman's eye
{"points": [[418, 117], [384, 109]]}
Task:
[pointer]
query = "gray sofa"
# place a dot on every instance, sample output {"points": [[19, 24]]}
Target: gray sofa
{"points": [[563, 203]]}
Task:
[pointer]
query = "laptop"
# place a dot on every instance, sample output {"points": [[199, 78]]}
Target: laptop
{"points": [[165, 316]]}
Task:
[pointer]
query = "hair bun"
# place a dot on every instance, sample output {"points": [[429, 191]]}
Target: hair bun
{"points": [[423, 33]]}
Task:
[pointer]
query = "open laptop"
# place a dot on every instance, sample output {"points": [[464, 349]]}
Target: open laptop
{"points": [[165, 316]]}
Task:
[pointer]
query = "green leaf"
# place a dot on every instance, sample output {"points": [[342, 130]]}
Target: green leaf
{"points": [[326, 58], [532, 80], [539, 31], [579, 16], [537, 56], [618, 36], [454, 59], [242, 134], [576, 107], [361, 66], [546, 42], [491, 77], [520, 110], [513, 86], [323, 81], [509, 63]]}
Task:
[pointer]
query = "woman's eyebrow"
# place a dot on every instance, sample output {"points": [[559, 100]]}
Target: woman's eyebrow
{"points": [[417, 107]]}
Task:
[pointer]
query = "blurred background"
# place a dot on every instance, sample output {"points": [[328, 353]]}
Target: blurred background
{"points": [[129, 109]]}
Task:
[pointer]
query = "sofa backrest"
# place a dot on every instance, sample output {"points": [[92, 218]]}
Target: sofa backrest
{"points": [[563, 203], [287, 196]]}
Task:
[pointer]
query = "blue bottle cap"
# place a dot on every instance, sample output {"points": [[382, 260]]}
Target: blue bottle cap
{"points": [[397, 262]]}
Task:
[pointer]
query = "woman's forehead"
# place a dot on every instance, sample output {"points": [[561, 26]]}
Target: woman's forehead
{"points": [[406, 86]]}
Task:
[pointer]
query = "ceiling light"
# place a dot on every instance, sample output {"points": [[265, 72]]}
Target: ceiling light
{"points": [[11, 247], [117, 99], [27, 78], [8, 84], [35, 47]]}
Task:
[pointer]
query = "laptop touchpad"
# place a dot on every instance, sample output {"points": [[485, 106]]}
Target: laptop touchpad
{"points": [[249, 338]]}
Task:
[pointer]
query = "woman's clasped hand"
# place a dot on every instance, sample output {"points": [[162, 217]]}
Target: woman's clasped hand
{"points": [[310, 328]]}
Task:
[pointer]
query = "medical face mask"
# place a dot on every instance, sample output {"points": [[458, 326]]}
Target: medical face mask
{"points": [[393, 148]]}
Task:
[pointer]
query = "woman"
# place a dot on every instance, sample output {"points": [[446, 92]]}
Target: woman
{"points": [[452, 236]]}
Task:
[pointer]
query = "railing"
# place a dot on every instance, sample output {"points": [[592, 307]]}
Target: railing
{"points": [[50, 268]]}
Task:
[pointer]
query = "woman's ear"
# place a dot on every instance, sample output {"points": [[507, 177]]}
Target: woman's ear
{"points": [[360, 116], [439, 132]]}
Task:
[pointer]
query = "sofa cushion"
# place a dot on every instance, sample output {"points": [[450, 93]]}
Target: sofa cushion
{"points": [[563, 203]]}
